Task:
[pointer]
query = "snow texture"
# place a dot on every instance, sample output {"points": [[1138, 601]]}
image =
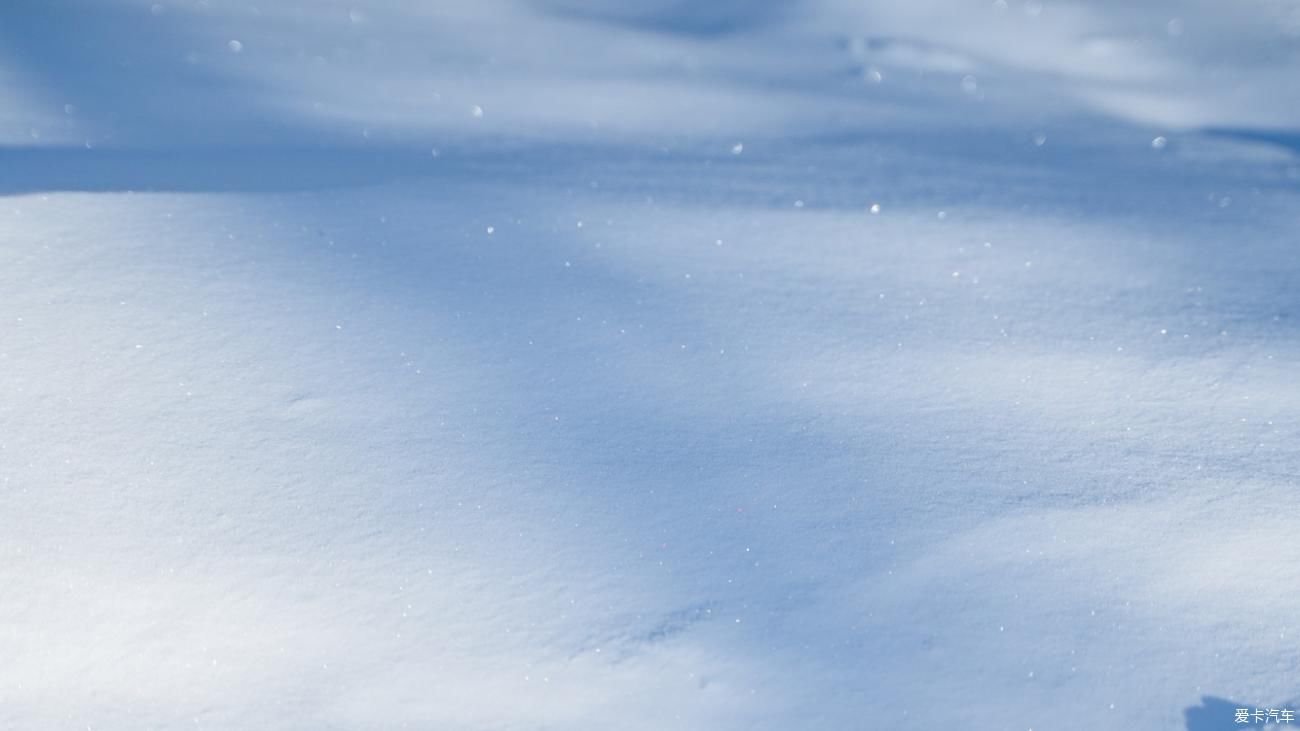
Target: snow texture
{"points": [[585, 364]]}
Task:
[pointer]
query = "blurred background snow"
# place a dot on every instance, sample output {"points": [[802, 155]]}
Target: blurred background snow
{"points": [[572, 364]]}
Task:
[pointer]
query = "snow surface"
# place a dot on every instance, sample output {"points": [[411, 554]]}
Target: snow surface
{"points": [[581, 364]]}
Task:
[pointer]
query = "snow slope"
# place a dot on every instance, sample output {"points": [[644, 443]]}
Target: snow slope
{"points": [[581, 364]]}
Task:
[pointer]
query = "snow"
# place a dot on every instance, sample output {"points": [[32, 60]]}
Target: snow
{"points": [[584, 364]]}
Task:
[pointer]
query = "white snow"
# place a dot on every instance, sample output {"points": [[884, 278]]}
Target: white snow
{"points": [[447, 365]]}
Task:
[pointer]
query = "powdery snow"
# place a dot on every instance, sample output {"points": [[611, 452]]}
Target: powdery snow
{"points": [[581, 364]]}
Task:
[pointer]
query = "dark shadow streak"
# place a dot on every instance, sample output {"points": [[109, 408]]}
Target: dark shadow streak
{"points": [[676, 17], [1286, 139]]}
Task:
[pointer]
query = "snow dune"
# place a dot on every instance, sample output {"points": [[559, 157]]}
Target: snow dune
{"points": [[583, 364]]}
